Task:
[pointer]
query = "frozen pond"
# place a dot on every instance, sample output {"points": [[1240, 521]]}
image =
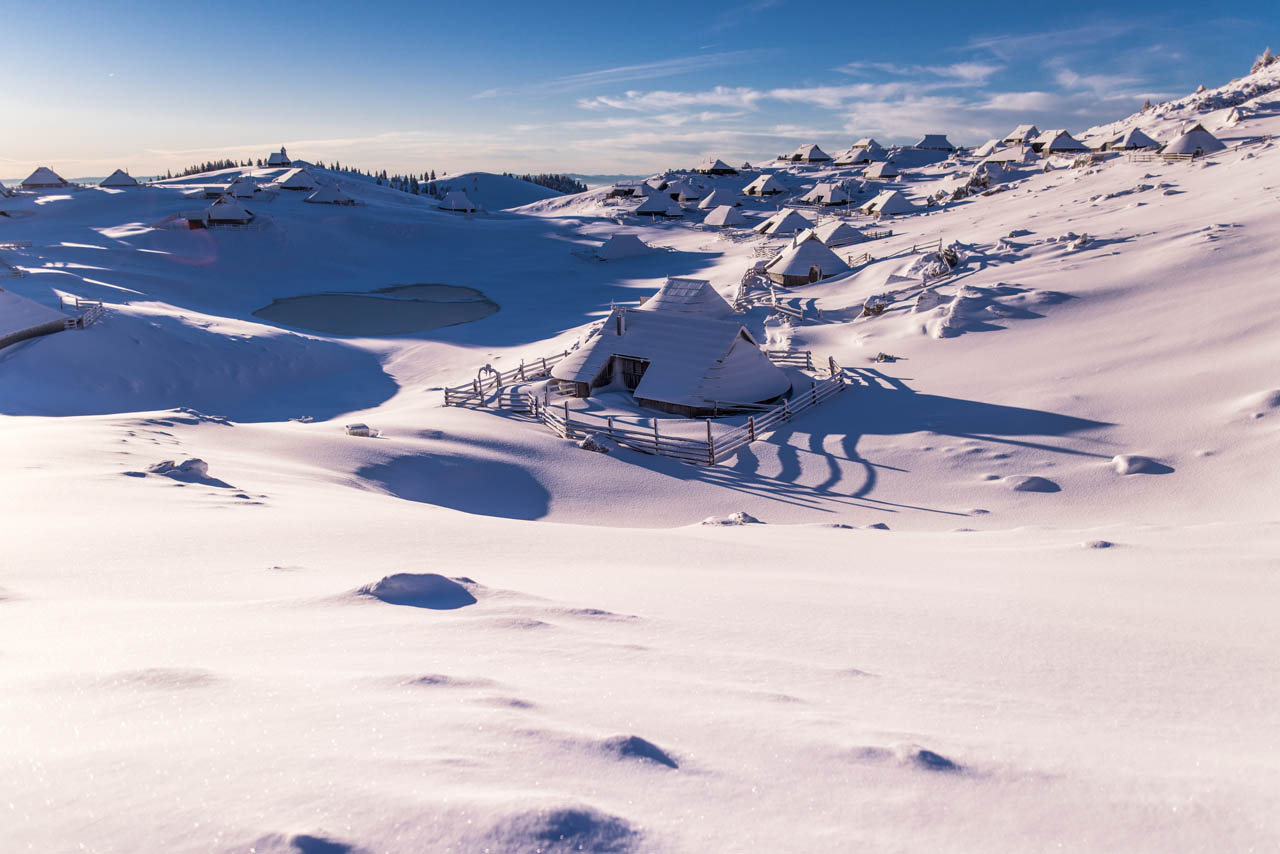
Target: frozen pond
{"points": [[396, 310]]}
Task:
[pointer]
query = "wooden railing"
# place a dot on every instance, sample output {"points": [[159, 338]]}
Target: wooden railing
{"points": [[648, 439]]}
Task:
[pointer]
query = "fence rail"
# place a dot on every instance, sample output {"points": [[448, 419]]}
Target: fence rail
{"points": [[487, 390]]}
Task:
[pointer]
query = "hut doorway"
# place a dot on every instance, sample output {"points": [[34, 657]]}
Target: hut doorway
{"points": [[815, 273], [630, 370]]}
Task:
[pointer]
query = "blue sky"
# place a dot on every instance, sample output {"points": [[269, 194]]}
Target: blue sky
{"points": [[595, 87]]}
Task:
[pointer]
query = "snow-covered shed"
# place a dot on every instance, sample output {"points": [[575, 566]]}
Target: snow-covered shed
{"points": [[1021, 135], [329, 196], [889, 203], [836, 232], [881, 171], [987, 148], [43, 178], [659, 204], [935, 142], [682, 351], [826, 194], [765, 185], [623, 246], [810, 153], [456, 200], [712, 166], [279, 158], [227, 211], [1058, 142], [1131, 140], [22, 318], [869, 145], [1013, 155], [243, 188], [784, 221], [684, 191], [806, 260], [854, 157], [296, 179], [118, 178], [718, 197], [1195, 141], [725, 216]]}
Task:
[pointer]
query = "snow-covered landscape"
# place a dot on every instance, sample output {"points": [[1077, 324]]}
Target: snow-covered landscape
{"points": [[884, 498]]}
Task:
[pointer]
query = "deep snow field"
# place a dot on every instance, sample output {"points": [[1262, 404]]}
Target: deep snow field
{"points": [[908, 653]]}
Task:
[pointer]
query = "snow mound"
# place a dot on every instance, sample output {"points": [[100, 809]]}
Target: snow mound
{"points": [[599, 443], [909, 755], [562, 830], [193, 469], [635, 747], [739, 518], [420, 590], [1260, 404], [301, 843], [1031, 483], [1135, 464], [1098, 544]]}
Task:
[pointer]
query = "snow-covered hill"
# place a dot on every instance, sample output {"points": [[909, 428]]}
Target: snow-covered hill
{"points": [[469, 634]]}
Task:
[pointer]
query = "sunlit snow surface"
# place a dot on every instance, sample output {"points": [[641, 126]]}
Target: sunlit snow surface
{"points": [[1013, 592]]}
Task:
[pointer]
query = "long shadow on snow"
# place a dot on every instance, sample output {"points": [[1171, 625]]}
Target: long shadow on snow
{"points": [[130, 363], [478, 486], [886, 406]]}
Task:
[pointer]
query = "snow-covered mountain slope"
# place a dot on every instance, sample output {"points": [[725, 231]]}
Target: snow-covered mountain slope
{"points": [[1054, 644]]}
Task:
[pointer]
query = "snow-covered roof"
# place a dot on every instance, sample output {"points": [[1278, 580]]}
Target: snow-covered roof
{"points": [[228, 210], [826, 194], [1059, 140], [18, 314], [44, 177], [838, 233], [783, 222], [986, 148], [935, 142], [1131, 139], [716, 198], [278, 158], [714, 166], [692, 359], [296, 179], [763, 186], [685, 190], [869, 144], [688, 296], [725, 215], [880, 170], [807, 252], [1196, 140], [329, 196], [888, 203], [456, 200], [1022, 133], [810, 153], [659, 204], [854, 155], [118, 178], [1012, 154], [243, 187], [623, 246]]}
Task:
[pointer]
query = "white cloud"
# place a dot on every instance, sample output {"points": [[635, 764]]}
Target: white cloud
{"points": [[720, 96], [627, 73]]}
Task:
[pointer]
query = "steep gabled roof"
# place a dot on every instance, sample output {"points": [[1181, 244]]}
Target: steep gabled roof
{"points": [[810, 153], [889, 202], [329, 196], [826, 194], [881, 170], [1196, 138], [764, 185], [228, 210], [716, 198], [935, 142], [659, 204], [118, 178], [783, 222], [1023, 133], [837, 233], [456, 200], [688, 296], [713, 165], [725, 215], [806, 252], [623, 246], [44, 177], [1059, 140], [296, 179]]}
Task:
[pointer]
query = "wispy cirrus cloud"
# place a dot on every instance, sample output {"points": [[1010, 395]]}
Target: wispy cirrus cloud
{"points": [[670, 67], [954, 74], [719, 96]]}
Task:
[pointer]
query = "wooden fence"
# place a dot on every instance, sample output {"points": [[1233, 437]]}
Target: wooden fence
{"points": [[487, 390]]}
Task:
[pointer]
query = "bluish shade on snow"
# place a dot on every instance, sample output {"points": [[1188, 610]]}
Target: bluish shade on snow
{"points": [[482, 487]]}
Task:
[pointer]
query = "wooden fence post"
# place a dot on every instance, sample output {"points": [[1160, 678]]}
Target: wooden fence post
{"points": [[522, 370], [831, 365], [808, 359], [656, 448], [567, 431], [544, 365], [751, 427], [610, 418], [711, 448], [813, 392]]}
